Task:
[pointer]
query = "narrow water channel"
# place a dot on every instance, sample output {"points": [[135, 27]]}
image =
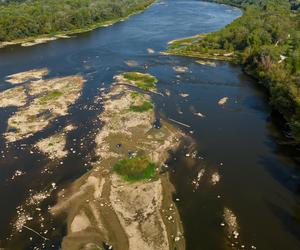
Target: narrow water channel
{"points": [[241, 167]]}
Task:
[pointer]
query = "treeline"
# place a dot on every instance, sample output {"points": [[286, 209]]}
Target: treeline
{"points": [[266, 40], [294, 4], [21, 18]]}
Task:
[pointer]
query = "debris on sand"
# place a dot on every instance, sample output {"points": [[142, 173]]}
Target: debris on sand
{"points": [[223, 101], [150, 51], [51, 99], [208, 63], [54, 146], [35, 74], [180, 69], [14, 97], [120, 202]]}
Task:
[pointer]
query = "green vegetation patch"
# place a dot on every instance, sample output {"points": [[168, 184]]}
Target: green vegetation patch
{"points": [[143, 81], [50, 96], [142, 108], [135, 94], [30, 18], [266, 41], [135, 169]]}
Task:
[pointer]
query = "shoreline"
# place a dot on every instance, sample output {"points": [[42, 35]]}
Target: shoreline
{"points": [[208, 51], [44, 38]]}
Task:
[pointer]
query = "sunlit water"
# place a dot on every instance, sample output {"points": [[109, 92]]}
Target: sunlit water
{"points": [[258, 181]]}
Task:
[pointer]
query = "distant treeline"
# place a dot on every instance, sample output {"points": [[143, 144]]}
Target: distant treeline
{"points": [[266, 40], [295, 4], [26, 18]]}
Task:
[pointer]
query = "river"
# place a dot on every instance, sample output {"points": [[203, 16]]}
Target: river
{"points": [[258, 180]]}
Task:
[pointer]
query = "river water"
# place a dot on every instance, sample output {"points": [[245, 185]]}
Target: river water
{"points": [[258, 180]]}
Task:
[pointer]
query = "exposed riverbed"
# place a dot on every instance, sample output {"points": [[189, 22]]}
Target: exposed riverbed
{"points": [[235, 188]]}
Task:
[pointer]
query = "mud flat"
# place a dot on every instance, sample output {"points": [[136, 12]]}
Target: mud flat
{"points": [[49, 99], [125, 201], [14, 97]]}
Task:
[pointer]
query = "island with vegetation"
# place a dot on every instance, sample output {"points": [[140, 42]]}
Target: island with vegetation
{"points": [[266, 41], [23, 21]]}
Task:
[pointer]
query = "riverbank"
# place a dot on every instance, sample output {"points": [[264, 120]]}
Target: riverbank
{"points": [[178, 48], [44, 38], [268, 55]]}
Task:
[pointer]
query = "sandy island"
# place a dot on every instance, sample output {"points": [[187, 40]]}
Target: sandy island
{"points": [[132, 210], [48, 100]]}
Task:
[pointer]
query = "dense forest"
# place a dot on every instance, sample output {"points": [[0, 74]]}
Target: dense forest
{"points": [[26, 18], [266, 40]]}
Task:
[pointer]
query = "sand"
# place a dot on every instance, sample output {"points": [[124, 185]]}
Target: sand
{"points": [[50, 99], [102, 206], [14, 97], [22, 77]]}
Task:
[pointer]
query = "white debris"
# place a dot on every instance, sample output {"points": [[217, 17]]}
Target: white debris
{"points": [[184, 95], [196, 181], [150, 51], [200, 114], [223, 101]]}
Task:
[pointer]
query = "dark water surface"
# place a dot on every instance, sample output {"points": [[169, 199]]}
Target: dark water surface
{"points": [[259, 183]]}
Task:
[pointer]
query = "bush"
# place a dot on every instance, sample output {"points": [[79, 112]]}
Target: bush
{"points": [[135, 169]]}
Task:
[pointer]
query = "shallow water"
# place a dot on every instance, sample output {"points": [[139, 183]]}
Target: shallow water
{"points": [[259, 182]]}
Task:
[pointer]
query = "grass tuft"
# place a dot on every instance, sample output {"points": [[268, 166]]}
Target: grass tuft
{"points": [[135, 169], [50, 96], [142, 108], [143, 81]]}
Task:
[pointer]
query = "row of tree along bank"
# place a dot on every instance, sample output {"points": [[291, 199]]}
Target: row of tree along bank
{"points": [[266, 41], [21, 19]]}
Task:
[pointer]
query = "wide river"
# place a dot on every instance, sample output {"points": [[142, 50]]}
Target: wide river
{"points": [[258, 180]]}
